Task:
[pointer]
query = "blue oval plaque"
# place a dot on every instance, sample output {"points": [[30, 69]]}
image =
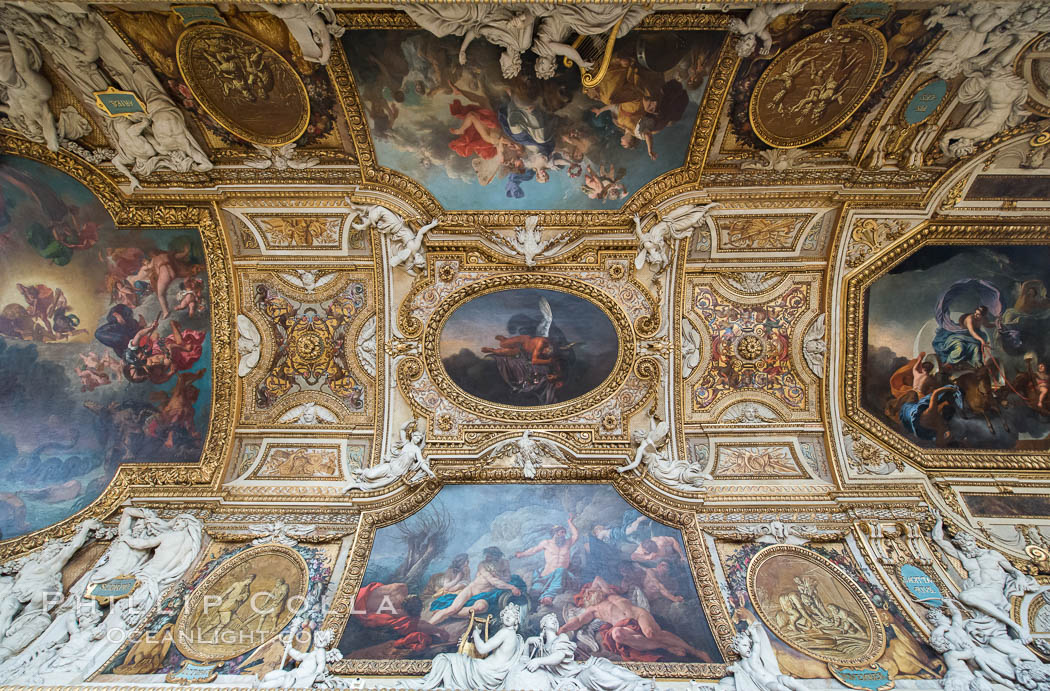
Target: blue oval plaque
{"points": [[921, 586], [924, 102]]}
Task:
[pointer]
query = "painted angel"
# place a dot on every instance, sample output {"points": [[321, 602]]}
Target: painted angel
{"points": [[528, 453], [406, 460], [755, 28], [677, 224], [532, 364]]}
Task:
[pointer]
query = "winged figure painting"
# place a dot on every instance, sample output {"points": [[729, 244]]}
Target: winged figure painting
{"points": [[533, 363]]}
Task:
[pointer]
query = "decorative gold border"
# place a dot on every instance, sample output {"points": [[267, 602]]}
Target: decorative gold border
{"points": [[674, 513], [153, 479], [185, 643], [182, 48], [877, 644], [432, 357], [661, 188], [974, 233], [875, 67]]}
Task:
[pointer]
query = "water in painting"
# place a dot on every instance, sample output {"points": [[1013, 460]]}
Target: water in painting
{"points": [[619, 582], [958, 348], [478, 140], [528, 346], [104, 346]]}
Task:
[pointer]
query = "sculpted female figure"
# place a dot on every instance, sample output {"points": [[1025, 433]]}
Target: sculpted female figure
{"points": [[500, 653]]}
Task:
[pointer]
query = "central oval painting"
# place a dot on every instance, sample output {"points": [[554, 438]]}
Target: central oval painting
{"points": [[528, 347]]}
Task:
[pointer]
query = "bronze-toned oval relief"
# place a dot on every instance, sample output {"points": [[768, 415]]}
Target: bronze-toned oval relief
{"points": [[522, 342], [812, 88], [243, 603], [245, 85], [814, 606]]}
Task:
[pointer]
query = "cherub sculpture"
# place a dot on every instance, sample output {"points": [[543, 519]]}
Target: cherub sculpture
{"points": [[755, 28], [650, 450], [757, 667], [408, 252], [529, 453], [405, 460], [312, 667], [678, 224]]}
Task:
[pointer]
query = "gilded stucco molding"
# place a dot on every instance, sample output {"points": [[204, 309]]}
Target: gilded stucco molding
{"points": [[974, 232], [156, 479]]}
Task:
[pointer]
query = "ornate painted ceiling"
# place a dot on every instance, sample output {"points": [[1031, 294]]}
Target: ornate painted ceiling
{"points": [[359, 344]]}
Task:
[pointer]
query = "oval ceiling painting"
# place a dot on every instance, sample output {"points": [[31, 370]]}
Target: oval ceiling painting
{"points": [[528, 347], [105, 347]]}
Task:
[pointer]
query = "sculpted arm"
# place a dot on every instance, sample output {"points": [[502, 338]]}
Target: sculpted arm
{"points": [[937, 534], [486, 647], [636, 462]]}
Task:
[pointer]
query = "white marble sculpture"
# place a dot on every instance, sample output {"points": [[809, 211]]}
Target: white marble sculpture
{"points": [[991, 580], [691, 346], [281, 157], [309, 413], [35, 590], [312, 668], [982, 41], [155, 553], [814, 347], [561, 21], [407, 244], [80, 43], [948, 637], [24, 91], [650, 451], [510, 29], [121, 558], [528, 452], [553, 656], [999, 97], [312, 25], [405, 460], [981, 35], [309, 280], [249, 345], [654, 245], [63, 653], [367, 346], [754, 30], [287, 534], [757, 669], [497, 656], [527, 241]]}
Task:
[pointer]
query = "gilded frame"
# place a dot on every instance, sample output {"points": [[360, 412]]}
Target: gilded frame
{"points": [[153, 479], [186, 645], [661, 188], [857, 284], [877, 643], [674, 513], [625, 356]]}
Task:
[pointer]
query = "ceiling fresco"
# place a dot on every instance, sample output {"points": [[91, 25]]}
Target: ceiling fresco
{"points": [[533, 346]]}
